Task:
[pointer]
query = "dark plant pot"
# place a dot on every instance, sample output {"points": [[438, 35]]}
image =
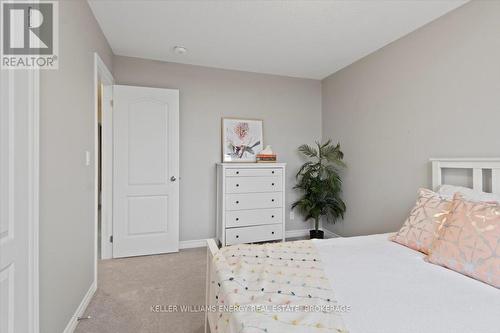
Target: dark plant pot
{"points": [[318, 234]]}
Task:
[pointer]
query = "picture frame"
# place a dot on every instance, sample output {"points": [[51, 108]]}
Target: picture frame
{"points": [[242, 139]]}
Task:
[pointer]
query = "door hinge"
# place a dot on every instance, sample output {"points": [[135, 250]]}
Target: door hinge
{"points": [[111, 239]]}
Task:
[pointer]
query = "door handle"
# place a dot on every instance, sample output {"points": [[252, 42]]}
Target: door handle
{"points": [[173, 179]]}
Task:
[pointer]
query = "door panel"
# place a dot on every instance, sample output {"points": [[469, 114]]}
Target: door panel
{"points": [[148, 142], [145, 171], [16, 291], [147, 214], [7, 299]]}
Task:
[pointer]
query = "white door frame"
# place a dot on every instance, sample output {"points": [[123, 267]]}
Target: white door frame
{"points": [[32, 94], [104, 76], [34, 181], [33, 200]]}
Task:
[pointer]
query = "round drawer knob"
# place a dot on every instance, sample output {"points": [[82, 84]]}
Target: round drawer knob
{"points": [[272, 200], [237, 236], [237, 219], [237, 172], [237, 185], [272, 172], [272, 216], [272, 232], [237, 202], [272, 184]]}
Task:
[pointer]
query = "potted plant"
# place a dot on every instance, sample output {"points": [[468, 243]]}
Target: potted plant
{"points": [[319, 182]]}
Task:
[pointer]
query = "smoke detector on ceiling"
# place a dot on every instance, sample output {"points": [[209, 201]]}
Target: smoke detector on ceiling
{"points": [[180, 50]]}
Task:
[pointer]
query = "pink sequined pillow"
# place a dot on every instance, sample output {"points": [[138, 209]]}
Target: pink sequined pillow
{"points": [[420, 228], [469, 241]]}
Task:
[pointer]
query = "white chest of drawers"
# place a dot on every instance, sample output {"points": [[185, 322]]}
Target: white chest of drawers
{"points": [[250, 202]]}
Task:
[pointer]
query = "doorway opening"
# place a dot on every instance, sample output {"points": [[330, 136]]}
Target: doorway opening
{"points": [[99, 168], [103, 85]]}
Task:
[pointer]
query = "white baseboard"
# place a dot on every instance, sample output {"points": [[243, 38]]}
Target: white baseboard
{"points": [[190, 244], [297, 233], [81, 309], [330, 234], [305, 233]]}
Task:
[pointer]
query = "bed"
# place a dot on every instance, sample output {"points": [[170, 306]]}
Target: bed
{"points": [[390, 288], [385, 287]]}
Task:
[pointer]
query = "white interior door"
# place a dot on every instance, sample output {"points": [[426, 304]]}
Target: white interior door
{"points": [[145, 171], [18, 273]]}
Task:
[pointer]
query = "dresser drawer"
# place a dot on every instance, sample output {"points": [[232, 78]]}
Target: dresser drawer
{"points": [[260, 172], [253, 184], [259, 233], [243, 218], [253, 200]]}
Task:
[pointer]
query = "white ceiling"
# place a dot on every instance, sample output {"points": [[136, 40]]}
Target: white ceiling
{"points": [[309, 39]]}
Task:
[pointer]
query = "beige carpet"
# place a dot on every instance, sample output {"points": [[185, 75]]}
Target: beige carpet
{"points": [[129, 287]]}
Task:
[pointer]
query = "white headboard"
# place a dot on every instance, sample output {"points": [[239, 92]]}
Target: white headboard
{"points": [[476, 164]]}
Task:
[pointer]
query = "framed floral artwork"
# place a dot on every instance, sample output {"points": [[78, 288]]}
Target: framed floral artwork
{"points": [[242, 139]]}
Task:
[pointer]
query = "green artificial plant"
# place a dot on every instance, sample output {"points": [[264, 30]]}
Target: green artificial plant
{"points": [[319, 182]]}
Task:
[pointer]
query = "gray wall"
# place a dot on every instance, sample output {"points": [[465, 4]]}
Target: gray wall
{"points": [[433, 93], [290, 108], [66, 188]]}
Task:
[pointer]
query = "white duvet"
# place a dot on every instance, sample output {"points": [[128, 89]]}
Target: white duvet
{"points": [[391, 289], [274, 288]]}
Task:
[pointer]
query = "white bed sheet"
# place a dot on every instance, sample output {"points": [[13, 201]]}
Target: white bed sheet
{"points": [[391, 289]]}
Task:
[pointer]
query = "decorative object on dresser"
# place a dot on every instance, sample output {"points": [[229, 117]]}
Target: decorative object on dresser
{"points": [[319, 182], [266, 156], [242, 139], [250, 202]]}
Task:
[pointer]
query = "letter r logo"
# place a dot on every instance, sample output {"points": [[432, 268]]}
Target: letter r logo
{"points": [[27, 28]]}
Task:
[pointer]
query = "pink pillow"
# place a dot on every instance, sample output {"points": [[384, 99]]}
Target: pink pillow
{"points": [[469, 241], [420, 228]]}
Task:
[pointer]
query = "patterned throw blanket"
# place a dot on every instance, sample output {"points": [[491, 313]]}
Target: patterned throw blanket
{"points": [[274, 288]]}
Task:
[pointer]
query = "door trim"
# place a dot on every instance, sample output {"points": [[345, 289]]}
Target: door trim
{"points": [[32, 94], [34, 199], [102, 74], [73, 322]]}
